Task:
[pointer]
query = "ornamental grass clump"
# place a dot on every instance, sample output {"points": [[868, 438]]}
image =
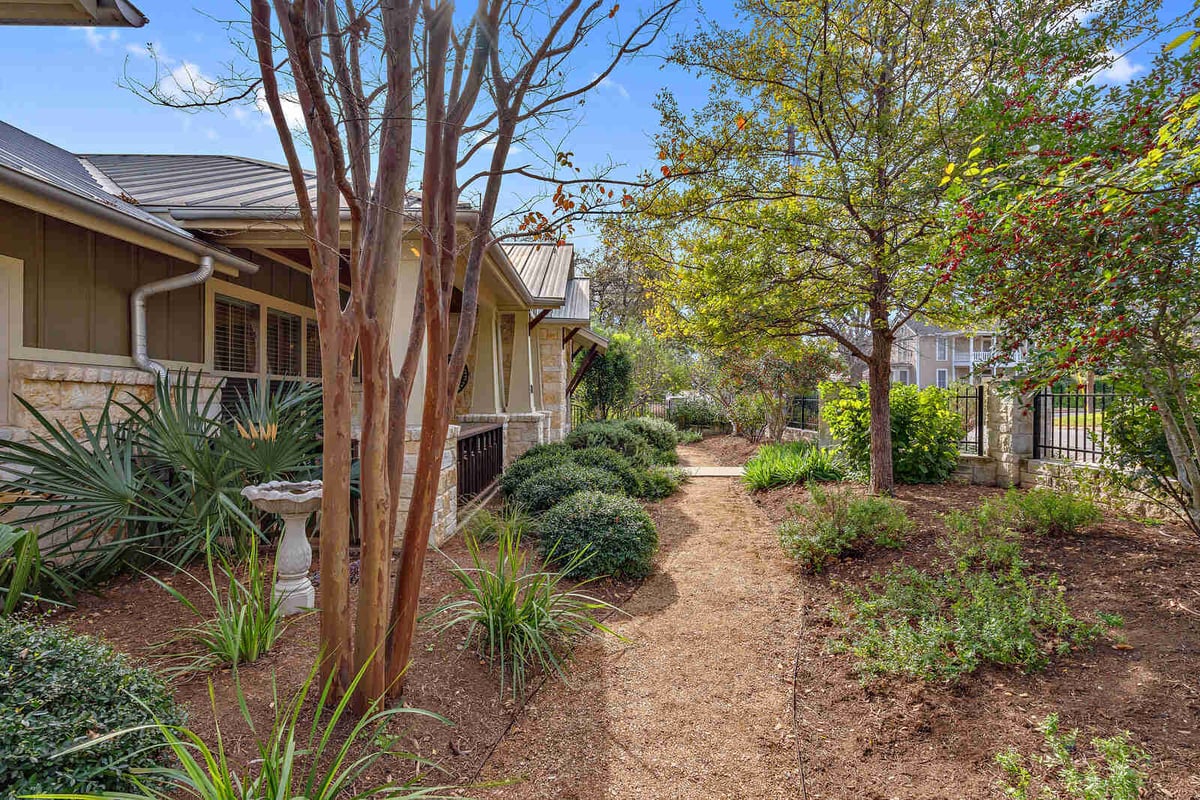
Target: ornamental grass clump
{"points": [[58, 688], [615, 531], [789, 464], [245, 622], [836, 523], [516, 617]]}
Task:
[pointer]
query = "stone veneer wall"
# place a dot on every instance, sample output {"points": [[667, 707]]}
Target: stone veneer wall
{"points": [[445, 511], [523, 432], [554, 380], [68, 392]]}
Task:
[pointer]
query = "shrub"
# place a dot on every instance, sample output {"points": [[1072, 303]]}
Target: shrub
{"points": [[982, 609], [540, 491], [696, 412], [614, 463], [1113, 772], [516, 617], [690, 437], [657, 483], [616, 532], [659, 433], [839, 522], [57, 688], [1045, 512], [925, 431], [245, 623], [614, 436], [749, 415], [788, 464], [530, 464]]}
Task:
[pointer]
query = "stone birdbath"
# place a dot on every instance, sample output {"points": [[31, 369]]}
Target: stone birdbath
{"points": [[294, 501]]}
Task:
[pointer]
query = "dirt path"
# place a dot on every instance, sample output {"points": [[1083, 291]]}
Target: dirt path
{"points": [[696, 703]]}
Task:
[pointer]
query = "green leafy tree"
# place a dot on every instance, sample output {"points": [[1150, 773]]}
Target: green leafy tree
{"points": [[608, 384], [1088, 263], [803, 199]]}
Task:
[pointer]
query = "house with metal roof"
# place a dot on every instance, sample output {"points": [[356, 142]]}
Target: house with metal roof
{"points": [[118, 268]]}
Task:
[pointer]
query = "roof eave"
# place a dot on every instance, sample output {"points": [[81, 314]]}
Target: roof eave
{"points": [[108, 14]]}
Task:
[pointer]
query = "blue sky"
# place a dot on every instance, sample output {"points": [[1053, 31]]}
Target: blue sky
{"points": [[63, 85]]}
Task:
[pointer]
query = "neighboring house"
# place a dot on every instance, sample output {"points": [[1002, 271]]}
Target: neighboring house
{"points": [[114, 268], [106, 13], [928, 355]]}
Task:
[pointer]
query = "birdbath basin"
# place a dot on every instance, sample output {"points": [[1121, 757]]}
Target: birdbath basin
{"points": [[293, 501]]}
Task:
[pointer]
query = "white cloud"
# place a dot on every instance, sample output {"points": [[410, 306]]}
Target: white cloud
{"points": [[99, 40], [293, 114], [185, 82], [1120, 69], [610, 85]]}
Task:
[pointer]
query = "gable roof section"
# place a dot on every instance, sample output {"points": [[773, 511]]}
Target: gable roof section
{"points": [[214, 183], [35, 158], [544, 268], [577, 307]]}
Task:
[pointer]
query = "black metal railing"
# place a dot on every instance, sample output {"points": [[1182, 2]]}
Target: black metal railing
{"points": [[580, 414], [480, 458], [1069, 425], [805, 413], [968, 403]]}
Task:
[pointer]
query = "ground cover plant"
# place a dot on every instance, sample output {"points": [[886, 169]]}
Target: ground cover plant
{"points": [[245, 621], [517, 617], [1045, 512], [57, 688], [1111, 768], [924, 430], [837, 522], [791, 463], [616, 533], [980, 605]]}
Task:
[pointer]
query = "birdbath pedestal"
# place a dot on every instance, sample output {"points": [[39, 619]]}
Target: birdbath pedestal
{"points": [[293, 501]]}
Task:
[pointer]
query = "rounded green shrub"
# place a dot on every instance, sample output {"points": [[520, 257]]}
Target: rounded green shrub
{"points": [[530, 464], [613, 462], [58, 688], [614, 436], [657, 483], [658, 433], [616, 531], [696, 412], [543, 489]]}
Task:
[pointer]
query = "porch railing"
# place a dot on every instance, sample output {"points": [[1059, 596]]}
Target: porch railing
{"points": [[968, 403], [480, 458]]}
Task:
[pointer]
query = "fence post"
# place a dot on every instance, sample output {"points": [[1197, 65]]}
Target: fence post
{"points": [[979, 417], [1009, 421]]}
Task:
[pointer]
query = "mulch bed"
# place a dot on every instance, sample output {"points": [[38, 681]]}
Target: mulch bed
{"points": [[905, 738]]}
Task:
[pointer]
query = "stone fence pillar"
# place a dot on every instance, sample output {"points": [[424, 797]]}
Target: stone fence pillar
{"points": [[1009, 424]]}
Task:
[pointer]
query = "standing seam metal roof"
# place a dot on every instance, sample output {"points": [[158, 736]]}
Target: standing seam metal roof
{"points": [[36, 158], [543, 267], [578, 305]]}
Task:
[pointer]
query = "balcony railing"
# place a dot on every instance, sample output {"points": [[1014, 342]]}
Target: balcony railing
{"points": [[977, 357]]}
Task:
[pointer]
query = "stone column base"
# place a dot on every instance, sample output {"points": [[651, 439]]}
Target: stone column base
{"points": [[524, 431], [445, 510]]}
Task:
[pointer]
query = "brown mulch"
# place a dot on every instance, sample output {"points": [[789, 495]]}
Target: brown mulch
{"points": [[697, 700]]}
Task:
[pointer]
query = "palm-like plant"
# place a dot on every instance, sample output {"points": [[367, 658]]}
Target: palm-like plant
{"points": [[516, 617], [23, 575], [275, 435]]}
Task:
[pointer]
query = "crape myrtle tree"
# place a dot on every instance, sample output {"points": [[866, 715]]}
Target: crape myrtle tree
{"points": [[1077, 232], [396, 95], [804, 198]]}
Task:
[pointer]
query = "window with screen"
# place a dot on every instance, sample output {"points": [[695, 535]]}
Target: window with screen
{"points": [[312, 346], [942, 350], [283, 343], [235, 335]]}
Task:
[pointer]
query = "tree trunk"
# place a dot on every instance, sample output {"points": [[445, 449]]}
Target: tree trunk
{"points": [[879, 385], [376, 520]]}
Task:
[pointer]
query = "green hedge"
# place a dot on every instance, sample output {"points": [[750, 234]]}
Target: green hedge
{"points": [[617, 532], [58, 688], [925, 431], [540, 491]]}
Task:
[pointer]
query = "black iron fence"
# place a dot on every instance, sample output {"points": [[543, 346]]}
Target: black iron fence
{"points": [[1069, 425], [805, 413], [968, 403], [480, 458], [581, 414]]}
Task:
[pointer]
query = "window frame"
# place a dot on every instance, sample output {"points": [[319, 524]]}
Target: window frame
{"points": [[943, 349], [265, 303], [942, 378]]}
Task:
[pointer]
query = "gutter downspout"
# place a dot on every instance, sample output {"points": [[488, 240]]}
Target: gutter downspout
{"points": [[137, 304]]}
